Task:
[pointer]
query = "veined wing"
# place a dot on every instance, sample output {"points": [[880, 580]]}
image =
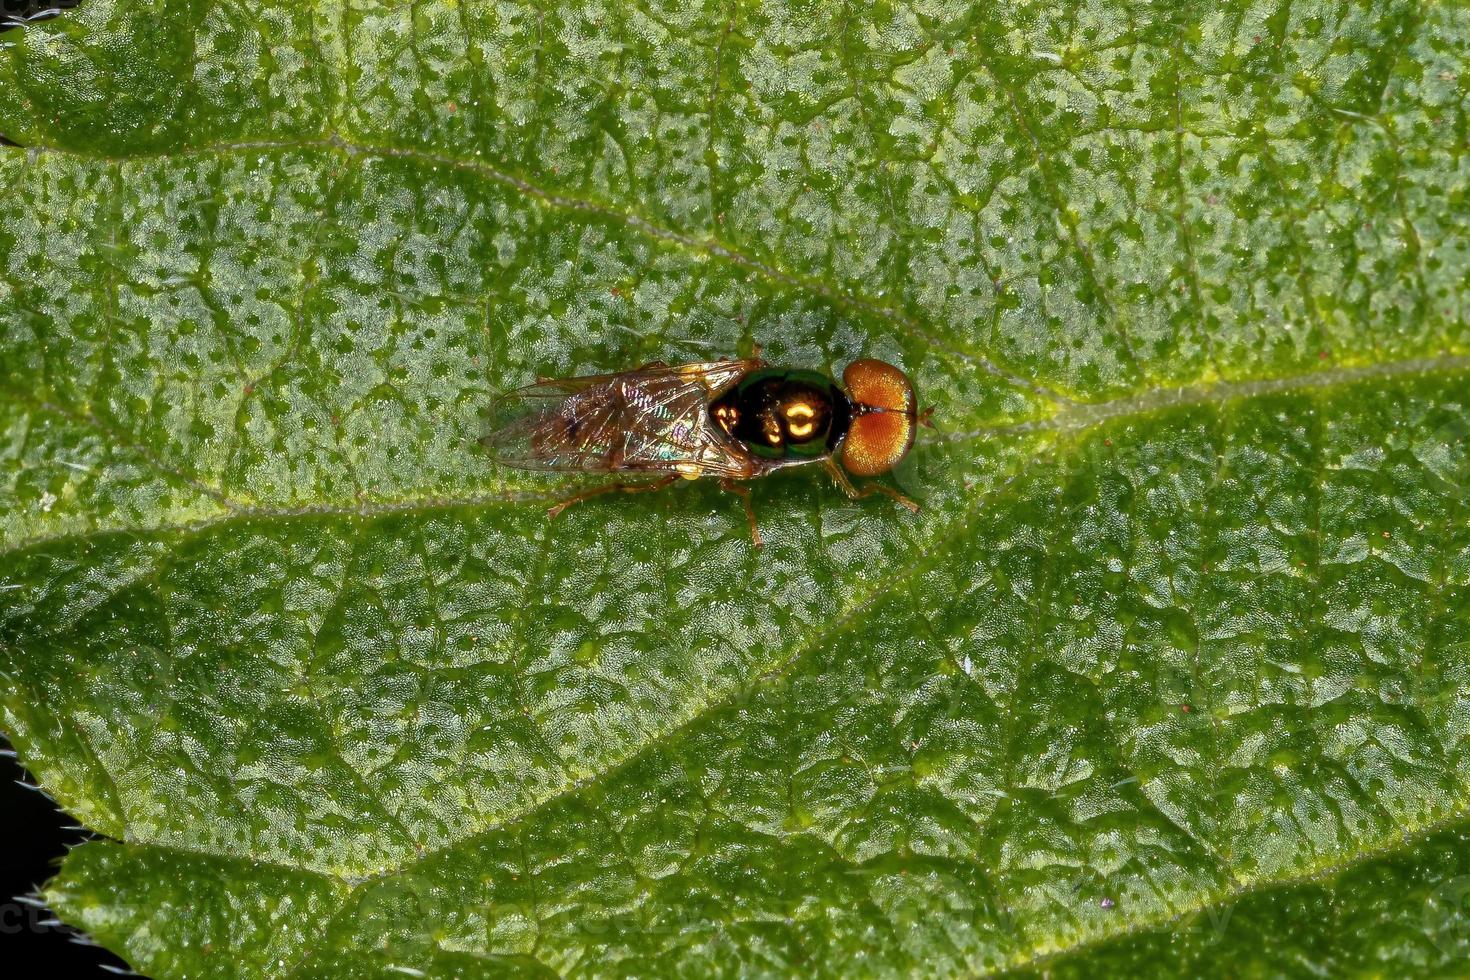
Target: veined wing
{"points": [[653, 419]]}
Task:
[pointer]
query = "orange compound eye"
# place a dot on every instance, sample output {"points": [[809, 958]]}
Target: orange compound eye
{"points": [[876, 442], [882, 429], [877, 384]]}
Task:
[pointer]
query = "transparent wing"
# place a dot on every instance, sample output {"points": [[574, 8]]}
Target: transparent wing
{"points": [[653, 419]]}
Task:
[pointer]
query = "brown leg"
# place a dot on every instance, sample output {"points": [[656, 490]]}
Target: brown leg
{"points": [[744, 493], [868, 489], [576, 498]]}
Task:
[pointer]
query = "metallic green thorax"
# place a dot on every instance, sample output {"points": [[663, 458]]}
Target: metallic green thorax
{"points": [[784, 414]]}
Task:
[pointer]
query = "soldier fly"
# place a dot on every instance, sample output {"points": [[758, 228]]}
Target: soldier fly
{"points": [[736, 420]]}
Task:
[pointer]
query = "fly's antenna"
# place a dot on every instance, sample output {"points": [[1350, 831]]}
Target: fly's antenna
{"points": [[926, 418]]}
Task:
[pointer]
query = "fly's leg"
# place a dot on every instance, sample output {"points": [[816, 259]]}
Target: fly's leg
{"points": [[743, 492], [575, 498], [867, 490], [755, 355]]}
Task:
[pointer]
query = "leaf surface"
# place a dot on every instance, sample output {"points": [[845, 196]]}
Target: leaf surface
{"points": [[1169, 675]]}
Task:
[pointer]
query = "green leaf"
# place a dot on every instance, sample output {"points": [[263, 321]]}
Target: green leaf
{"points": [[1169, 676]]}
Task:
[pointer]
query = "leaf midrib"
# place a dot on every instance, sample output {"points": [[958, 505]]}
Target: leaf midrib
{"points": [[1073, 418]]}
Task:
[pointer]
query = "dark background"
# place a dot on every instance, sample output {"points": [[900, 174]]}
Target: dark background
{"points": [[29, 8], [36, 838]]}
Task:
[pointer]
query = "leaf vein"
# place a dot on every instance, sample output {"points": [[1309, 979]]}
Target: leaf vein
{"points": [[709, 247]]}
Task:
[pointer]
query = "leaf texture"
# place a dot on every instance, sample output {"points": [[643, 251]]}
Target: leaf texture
{"points": [[1170, 675]]}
